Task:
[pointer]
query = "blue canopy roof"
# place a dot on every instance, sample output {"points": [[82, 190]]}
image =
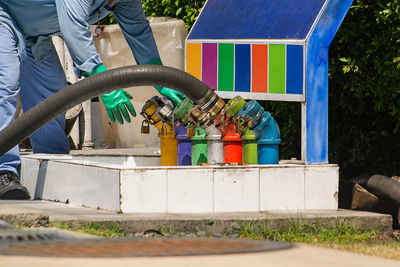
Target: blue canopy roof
{"points": [[256, 19]]}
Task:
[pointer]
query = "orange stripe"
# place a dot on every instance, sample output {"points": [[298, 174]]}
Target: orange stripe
{"points": [[259, 68], [193, 59]]}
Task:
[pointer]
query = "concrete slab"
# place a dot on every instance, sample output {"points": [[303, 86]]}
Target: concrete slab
{"points": [[300, 256], [22, 215], [132, 181], [215, 223]]}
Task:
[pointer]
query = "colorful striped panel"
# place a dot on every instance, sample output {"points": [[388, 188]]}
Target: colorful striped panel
{"points": [[210, 65], [259, 68], [294, 69], [225, 67], [193, 59], [242, 68], [277, 68]]}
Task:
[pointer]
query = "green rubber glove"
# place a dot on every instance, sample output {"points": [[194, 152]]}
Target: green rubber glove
{"points": [[117, 103], [173, 95]]}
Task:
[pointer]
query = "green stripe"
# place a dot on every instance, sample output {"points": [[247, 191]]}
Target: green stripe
{"points": [[225, 67], [277, 71]]}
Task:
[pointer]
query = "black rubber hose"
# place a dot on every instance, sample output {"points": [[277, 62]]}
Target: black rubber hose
{"points": [[384, 187], [93, 86]]}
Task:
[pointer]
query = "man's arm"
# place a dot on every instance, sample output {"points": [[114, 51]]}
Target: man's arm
{"points": [[136, 29], [73, 16]]}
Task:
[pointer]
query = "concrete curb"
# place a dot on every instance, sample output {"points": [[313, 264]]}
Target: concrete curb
{"points": [[41, 213], [217, 225], [23, 216]]}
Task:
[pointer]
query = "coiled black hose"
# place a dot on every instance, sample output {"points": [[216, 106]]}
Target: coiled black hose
{"points": [[101, 83]]}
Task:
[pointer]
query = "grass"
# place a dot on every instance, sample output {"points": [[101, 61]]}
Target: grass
{"points": [[300, 232], [93, 228], [340, 233], [341, 236]]}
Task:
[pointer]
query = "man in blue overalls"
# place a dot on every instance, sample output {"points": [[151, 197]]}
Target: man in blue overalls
{"points": [[29, 65]]}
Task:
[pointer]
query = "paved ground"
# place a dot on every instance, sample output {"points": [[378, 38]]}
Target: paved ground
{"points": [[40, 213], [37, 213], [298, 256]]}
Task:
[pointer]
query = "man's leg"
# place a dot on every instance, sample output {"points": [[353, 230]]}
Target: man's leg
{"points": [[9, 87], [38, 82]]}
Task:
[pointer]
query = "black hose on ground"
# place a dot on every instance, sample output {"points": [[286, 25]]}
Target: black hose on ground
{"points": [[119, 78], [384, 187]]}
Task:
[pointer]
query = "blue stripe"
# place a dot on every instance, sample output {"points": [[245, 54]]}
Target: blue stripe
{"points": [[317, 80], [242, 68], [294, 78]]}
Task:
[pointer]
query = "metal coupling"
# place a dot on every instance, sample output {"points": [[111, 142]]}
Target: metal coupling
{"points": [[182, 112], [166, 111], [250, 115], [212, 105]]}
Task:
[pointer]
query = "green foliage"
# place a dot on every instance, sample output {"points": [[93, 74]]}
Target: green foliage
{"points": [[186, 10], [340, 233], [288, 117], [93, 228], [166, 229], [298, 231], [364, 90], [247, 229]]}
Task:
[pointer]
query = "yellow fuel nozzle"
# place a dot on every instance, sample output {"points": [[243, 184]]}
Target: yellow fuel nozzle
{"points": [[149, 112]]}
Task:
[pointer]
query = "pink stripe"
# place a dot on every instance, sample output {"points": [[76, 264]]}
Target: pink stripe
{"points": [[210, 65]]}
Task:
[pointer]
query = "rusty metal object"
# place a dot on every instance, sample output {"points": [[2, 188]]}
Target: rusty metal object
{"points": [[139, 247]]}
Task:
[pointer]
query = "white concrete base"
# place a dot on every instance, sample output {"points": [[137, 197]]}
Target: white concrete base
{"points": [[124, 184]]}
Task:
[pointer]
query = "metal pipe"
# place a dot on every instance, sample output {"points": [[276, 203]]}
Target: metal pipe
{"points": [[233, 148], [249, 147], [232, 108], [181, 114], [184, 146], [200, 116], [214, 145], [199, 147], [169, 146], [268, 140], [232, 143], [265, 129]]}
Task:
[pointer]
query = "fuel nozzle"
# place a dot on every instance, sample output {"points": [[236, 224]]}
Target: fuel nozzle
{"points": [[232, 109], [182, 112], [250, 115], [165, 110], [149, 112], [156, 110]]}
